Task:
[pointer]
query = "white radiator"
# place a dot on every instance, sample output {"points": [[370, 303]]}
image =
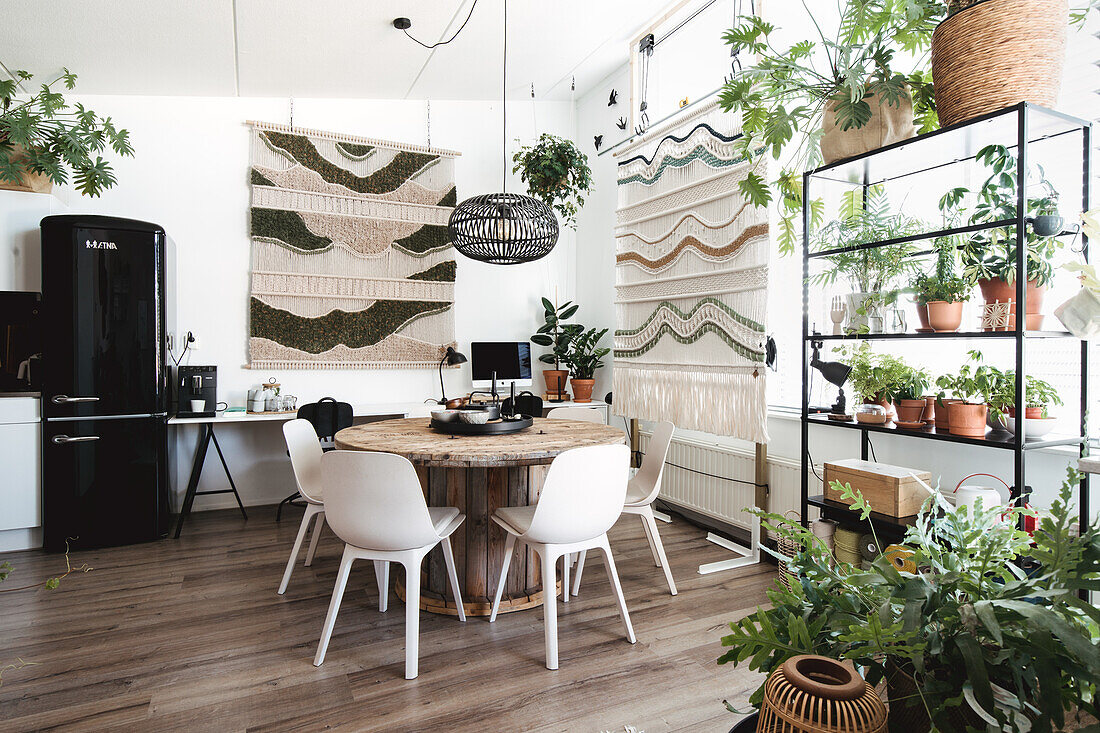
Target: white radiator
{"points": [[719, 499]]}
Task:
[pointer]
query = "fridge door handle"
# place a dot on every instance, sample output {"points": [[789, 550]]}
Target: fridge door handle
{"points": [[63, 399], [62, 439]]}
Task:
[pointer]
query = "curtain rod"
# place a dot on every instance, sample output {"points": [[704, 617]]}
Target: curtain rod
{"points": [[705, 98]]}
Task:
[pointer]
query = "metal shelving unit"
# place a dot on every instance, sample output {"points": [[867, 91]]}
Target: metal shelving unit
{"points": [[1016, 127]]}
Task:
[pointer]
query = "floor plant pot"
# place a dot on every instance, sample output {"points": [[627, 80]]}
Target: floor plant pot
{"points": [[911, 411], [556, 379], [967, 419], [996, 54], [888, 124], [945, 317], [996, 290], [582, 389]]}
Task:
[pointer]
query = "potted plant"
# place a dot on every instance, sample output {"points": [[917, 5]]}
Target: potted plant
{"points": [[875, 272], [828, 97], [876, 378], [940, 294], [45, 141], [969, 640], [974, 388], [909, 396], [557, 335], [989, 257], [975, 53], [556, 172], [585, 357]]}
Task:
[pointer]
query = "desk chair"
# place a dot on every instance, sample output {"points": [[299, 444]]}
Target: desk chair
{"points": [[328, 417], [581, 498], [376, 506]]}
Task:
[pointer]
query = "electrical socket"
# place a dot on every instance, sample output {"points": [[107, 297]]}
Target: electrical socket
{"points": [[170, 342]]}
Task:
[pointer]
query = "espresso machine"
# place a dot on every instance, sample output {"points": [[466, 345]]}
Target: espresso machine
{"points": [[195, 384]]}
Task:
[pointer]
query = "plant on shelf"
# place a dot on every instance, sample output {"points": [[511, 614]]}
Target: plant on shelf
{"points": [[940, 294], [44, 140], [909, 395], [557, 173], [877, 378], [975, 387], [875, 272], [989, 257], [829, 97], [585, 357], [557, 335], [977, 638]]}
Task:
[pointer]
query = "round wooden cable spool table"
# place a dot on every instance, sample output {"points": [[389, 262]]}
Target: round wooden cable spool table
{"points": [[478, 475]]}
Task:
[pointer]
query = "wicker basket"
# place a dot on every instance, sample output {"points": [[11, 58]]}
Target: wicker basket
{"points": [[997, 53], [788, 548], [811, 694]]}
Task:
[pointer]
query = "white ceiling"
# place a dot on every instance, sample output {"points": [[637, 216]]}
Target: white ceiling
{"points": [[321, 48]]}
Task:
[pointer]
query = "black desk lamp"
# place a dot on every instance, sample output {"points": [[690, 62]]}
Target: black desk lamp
{"points": [[453, 358], [834, 372]]}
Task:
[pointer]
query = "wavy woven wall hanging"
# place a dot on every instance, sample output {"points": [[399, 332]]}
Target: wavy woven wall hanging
{"points": [[691, 280], [352, 265]]}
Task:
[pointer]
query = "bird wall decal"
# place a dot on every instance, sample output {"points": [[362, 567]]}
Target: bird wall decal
{"points": [[598, 140], [621, 124], [613, 99]]}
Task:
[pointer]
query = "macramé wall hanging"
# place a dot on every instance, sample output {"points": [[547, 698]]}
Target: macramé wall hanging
{"points": [[352, 265], [691, 281]]}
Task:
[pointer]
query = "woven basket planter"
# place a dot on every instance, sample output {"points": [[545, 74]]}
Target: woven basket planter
{"points": [[811, 694], [997, 53]]}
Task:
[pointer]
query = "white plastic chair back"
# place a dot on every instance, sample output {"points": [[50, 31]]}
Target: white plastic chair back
{"points": [[305, 458], [648, 478], [582, 496], [589, 414], [374, 501]]}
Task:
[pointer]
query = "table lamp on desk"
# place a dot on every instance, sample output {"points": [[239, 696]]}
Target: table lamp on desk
{"points": [[452, 358]]}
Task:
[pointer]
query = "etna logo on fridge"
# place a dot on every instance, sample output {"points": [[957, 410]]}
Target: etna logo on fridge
{"points": [[92, 244]]}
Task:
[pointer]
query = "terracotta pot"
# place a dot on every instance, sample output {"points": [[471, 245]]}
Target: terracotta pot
{"points": [[944, 316], [582, 389], [1030, 413], [911, 410], [922, 315], [967, 419], [33, 182], [943, 413], [556, 379], [996, 290], [929, 409]]}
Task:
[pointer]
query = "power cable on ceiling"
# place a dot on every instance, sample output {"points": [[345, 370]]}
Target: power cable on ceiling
{"points": [[444, 43]]}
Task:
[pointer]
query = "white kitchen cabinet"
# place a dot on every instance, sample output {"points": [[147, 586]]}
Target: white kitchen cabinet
{"points": [[20, 463]]}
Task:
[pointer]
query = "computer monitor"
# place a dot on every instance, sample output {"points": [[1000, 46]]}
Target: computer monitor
{"points": [[511, 360]]}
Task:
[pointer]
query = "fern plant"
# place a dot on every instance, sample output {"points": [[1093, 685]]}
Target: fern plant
{"points": [[43, 134]]}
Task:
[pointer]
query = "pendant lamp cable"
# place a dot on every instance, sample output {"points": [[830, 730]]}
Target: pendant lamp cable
{"points": [[504, 106], [444, 43]]}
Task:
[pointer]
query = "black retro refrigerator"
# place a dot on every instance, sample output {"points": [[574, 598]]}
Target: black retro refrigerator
{"points": [[104, 388]]}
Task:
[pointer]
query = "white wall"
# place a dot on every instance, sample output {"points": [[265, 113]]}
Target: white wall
{"points": [[190, 174]]}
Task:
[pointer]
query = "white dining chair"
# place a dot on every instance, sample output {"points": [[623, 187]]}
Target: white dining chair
{"points": [[588, 414], [641, 492], [374, 503], [305, 458], [581, 498]]}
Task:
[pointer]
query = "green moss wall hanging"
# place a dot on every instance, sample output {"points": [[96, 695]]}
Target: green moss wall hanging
{"points": [[352, 266]]}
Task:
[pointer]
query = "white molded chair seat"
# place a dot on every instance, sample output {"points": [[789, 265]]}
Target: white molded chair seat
{"points": [[375, 504], [641, 492], [581, 498]]}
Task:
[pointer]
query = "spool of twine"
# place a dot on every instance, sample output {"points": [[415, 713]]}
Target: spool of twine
{"points": [[846, 546]]}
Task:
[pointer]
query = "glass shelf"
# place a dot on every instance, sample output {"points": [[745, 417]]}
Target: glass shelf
{"points": [[939, 335], [1000, 439]]}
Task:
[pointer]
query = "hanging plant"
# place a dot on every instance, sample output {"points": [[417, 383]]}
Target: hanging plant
{"points": [[44, 136], [557, 173]]}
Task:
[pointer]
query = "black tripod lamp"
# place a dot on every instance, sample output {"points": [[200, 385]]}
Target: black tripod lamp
{"points": [[452, 358], [834, 373]]}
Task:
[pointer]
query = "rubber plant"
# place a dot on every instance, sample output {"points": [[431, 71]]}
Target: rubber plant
{"points": [[43, 134], [556, 172], [783, 96], [990, 634], [556, 333]]}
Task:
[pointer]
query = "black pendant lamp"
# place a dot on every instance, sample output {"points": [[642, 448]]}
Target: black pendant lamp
{"points": [[503, 228]]}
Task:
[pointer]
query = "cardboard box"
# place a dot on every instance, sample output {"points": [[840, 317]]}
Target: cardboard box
{"points": [[890, 490]]}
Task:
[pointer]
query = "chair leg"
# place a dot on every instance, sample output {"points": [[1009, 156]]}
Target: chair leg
{"points": [[318, 525], [613, 577], [509, 545], [580, 569], [334, 605], [412, 616], [382, 578], [649, 520], [649, 539], [306, 518], [452, 575], [550, 607], [564, 578]]}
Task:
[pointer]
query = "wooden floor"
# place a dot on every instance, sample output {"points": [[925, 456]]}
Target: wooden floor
{"points": [[189, 634]]}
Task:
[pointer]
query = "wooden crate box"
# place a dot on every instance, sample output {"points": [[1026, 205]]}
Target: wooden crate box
{"points": [[890, 490]]}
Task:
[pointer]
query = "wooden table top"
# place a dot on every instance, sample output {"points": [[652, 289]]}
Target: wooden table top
{"points": [[539, 443]]}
